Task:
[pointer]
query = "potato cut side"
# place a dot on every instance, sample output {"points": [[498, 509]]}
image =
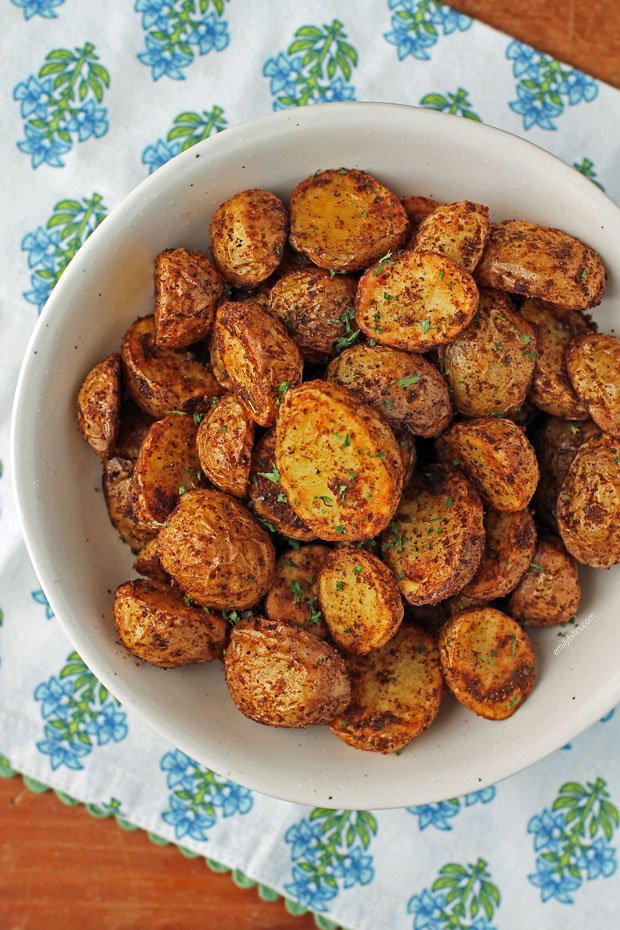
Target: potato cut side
{"points": [[99, 404], [134, 426], [294, 595], [338, 462], [487, 662], [435, 541], [248, 234], [593, 362], [217, 365], [417, 208], [415, 301], [345, 219], [457, 230], [549, 591], [116, 483], [187, 289], [268, 499], [395, 693], [283, 676], [406, 447], [510, 542], [224, 444], [542, 262], [147, 562], [156, 624]]}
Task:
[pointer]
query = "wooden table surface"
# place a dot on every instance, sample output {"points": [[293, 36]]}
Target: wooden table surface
{"points": [[62, 869]]}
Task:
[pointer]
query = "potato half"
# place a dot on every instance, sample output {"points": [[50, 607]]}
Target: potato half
{"points": [[268, 499], [116, 484], [417, 208], [187, 289], [457, 230], [217, 365], [99, 405], [147, 562], [510, 542], [294, 595], [224, 444], [134, 426], [593, 363], [248, 235], [549, 591]]}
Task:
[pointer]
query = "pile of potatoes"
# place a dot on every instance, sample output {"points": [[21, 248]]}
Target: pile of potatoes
{"points": [[358, 452]]}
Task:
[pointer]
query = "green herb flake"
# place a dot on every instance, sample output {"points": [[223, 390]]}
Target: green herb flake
{"points": [[425, 325], [340, 586], [357, 569], [282, 389], [181, 489], [405, 382], [198, 416], [282, 498], [386, 260], [273, 476], [514, 701], [449, 502], [157, 523], [339, 529]]}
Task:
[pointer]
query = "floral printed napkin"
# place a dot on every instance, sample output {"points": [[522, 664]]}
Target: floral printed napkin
{"points": [[97, 96]]}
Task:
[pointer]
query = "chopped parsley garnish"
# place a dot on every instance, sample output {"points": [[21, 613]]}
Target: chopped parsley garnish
{"points": [[339, 529], [347, 441], [425, 325], [157, 523], [282, 389], [181, 489], [357, 569], [340, 586], [382, 263], [405, 382], [282, 498], [297, 590], [449, 501], [198, 416], [273, 476]]}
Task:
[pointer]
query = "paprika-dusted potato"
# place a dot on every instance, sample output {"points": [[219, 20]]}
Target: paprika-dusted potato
{"points": [[435, 540], [415, 301], [268, 499], [156, 624], [497, 457], [224, 444], [417, 208], [283, 676], [160, 380], [345, 220], [395, 692], [259, 356], [99, 404], [116, 483], [487, 661], [134, 426], [217, 365], [360, 600], [338, 462], [216, 552], [294, 595], [542, 262], [593, 363], [588, 506], [407, 390], [147, 562], [457, 230], [510, 541], [248, 235], [406, 447], [187, 289], [549, 591]]}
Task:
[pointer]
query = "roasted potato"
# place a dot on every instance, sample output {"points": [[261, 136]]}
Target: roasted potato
{"points": [[187, 289], [338, 462], [116, 483], [407, 390], [156, 624], [216, 552], [248, 235], [415, 301], [542, 262], [268, 499], [291, 261], [147, 562], [259, 356], [549, 591], [593, 363], [406, 447], [487, 661], [294, 595], [508, 551], [217, 365], [417, 208], [224, 444], [395, 693], [134, 426], [282, 676], [99, 405], [457, 230], [345, 220]]}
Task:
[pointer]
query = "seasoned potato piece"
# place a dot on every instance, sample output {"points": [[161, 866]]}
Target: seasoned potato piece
{"points": [[508, 551], [435, 541], [259, 356], [161, 380], [556, 442], [345, 220], [248, 234], [116, 483], [415, 301], [588, 507], [291, 261], [217, 365], [593, 363], [187, 289], [282, 676], [99, 404], [549, 591], [542, 262], [406, 389], [360, 600], [417, 208], [316, 309], [406, 447], [134, 426], [497, 457], [490, 366], [216, 552], [294, 595], [224, 444], [459, 602], [395, 693], [268, 499], [155, 624], [338, 462], [147, 562], [457, 230]]}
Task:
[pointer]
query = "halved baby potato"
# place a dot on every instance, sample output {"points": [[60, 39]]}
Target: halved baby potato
{"points": [[294, 595], [268, 499], [549, 591], [147, 562], [457, 230], [134, 426], [116, 483], [593, 363], [217, 365], [417, 208], [187, 289], [99, 405], [224, 444], [510, 542], [248, 234]]}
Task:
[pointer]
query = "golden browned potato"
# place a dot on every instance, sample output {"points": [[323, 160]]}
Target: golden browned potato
{"points": [[435, 541], [338, 462], [490, 366], [294, 595], [549, 591], [497, 457], [248, 235], [542, 262], [415, 301], [134, 426], [457, 230], [268, 499], [417, 208], [283, 676], [187, 289], [406, 447], [224, 444], [99, 405], [395, 692], [259, 356], [217, 365], [156, 624], [508, 551], [407, 390], [116, 483], [345, 220], [216, 552], [593, 363], [317, 310], [360, 600], [556, 442], [459, 602], [147, 562], [162, 380], [487, 662], [588, 506]]}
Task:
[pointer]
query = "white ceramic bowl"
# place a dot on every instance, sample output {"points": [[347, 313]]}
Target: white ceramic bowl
{"points": [[78, 556]]}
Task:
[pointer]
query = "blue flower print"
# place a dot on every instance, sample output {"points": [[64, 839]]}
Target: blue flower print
{"points": [[55, 696], [177, 30], [33, 96], [409, 43], [153, 12], [553, 883], [180, 769], [60, 753], [40, 598], [209, 34], [109, 724], [188, 129], [417, 25], [303, 837], [233, 799], [355, 868], [42, 148], [89, 121], [309, 893], [526, 60], [534, 110], [613, 710], [163, 60], [41, 247], [43, 8], [484, 796], [548, 830], [578, 87], [439, 815], [460, 898], [428, 909], [187, 821], [283, 72], [450, 20], [338, 90], [158, 154], [599, 859]]}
